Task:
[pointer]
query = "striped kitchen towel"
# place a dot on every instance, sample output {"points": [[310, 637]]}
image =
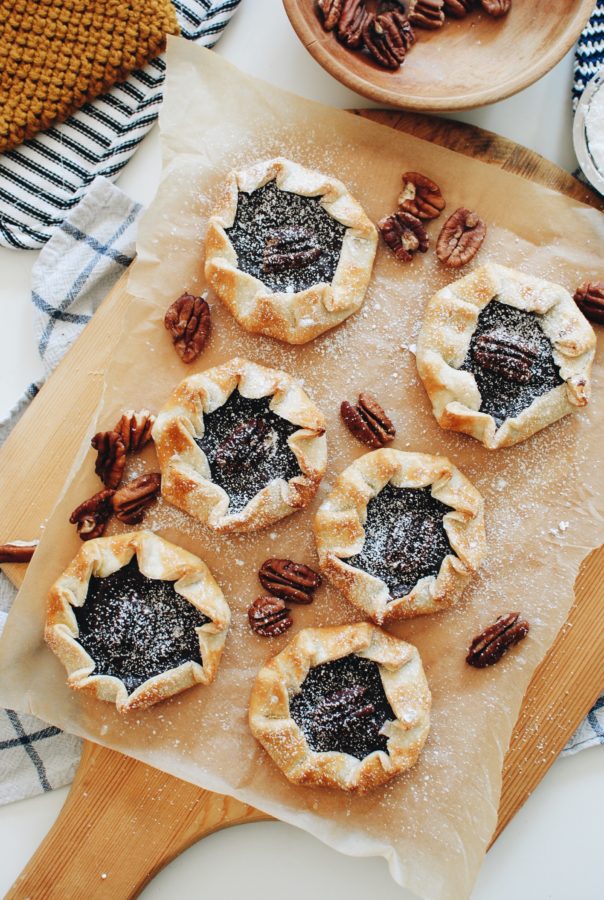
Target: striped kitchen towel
{"points": [[45, 177], [589, 55]]}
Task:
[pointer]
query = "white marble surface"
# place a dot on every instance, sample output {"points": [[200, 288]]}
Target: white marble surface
{"points": [[552, 849]]}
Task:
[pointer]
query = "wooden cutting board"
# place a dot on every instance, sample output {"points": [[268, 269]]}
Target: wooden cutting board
{"points": [[115, 799]]}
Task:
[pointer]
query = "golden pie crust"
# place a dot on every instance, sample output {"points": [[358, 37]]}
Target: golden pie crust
{"points": [[299, 316], [405, 687], [449, 323], [158, 559], [339, 532], [186, 477]]}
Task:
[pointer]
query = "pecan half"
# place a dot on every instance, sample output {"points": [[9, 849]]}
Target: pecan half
{"points": [[496, 8], [132, 500], [289, 580], [134, 428], [17, 551], [92, 515], [353, 19], [458, 9], [245, 446], [420, 196], [387, 38], [188, 321], [427, 13], [589, 297], [460, 238], [506, 355], [291, 247], [338, 712], [410, 542], [111, 457], [269, 616], [404, 234], [330, 12], [488, 647], [367, 421]]}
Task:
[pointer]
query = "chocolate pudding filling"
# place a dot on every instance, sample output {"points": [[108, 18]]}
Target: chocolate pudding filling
{"points": [[511, 359], [136, 627], [246, 446], [287, 241], [405, 539], [342, 707]]}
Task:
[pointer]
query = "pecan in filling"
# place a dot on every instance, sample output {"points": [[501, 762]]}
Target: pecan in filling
{"points": [[288, 241], [511, 359], [405, 539], [290, 248], [136, 627], [342, 707], [246, 446]]}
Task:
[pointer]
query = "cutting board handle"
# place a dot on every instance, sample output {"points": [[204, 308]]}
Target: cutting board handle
{"points": [[121, 823]]}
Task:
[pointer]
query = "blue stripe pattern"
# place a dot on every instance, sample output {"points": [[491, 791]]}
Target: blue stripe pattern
{"points": [[589, 54], [26, 742], [57, 313]]}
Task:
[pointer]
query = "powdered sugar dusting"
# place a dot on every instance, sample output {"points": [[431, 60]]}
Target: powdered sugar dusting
{"points": [[405, 539], [503, 397], [136, 627], [245, 444], [267, 211]]}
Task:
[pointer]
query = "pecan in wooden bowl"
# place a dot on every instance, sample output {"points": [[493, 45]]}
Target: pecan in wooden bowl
{"points": [[435, 55]]}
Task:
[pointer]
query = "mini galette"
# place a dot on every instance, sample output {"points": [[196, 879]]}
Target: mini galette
{"points": [[240, 446], [401, 534], [503, 354], [288, 250], [135, 620], [345, 707]]}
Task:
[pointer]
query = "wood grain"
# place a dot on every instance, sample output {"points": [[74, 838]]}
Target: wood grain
{"points": [[122, 822], [114, 798], [467, 63], [561, 693]]}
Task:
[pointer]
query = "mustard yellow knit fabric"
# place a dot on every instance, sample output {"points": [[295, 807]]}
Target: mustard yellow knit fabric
{"points": [[56, 55]]}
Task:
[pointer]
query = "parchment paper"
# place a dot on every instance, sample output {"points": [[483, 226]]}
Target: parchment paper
{"points": [[544, 498]]}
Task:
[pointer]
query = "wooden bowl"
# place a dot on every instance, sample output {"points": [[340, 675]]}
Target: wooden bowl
{"points": [[467, 63]]}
